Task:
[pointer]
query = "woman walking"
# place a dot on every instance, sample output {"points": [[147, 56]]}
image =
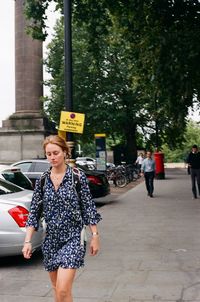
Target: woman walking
{"points": [[65, 212]]}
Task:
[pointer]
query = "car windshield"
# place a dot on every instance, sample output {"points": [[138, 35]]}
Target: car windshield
{"points": [[7, 188], [17, 178]]}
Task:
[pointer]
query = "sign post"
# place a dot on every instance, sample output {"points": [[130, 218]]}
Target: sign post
{"points": [[101, 156]]}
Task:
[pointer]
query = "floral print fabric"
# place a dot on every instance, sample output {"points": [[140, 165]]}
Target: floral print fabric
{"points": [[64, 213]]}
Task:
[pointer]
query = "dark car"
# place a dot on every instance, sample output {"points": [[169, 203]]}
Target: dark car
{"points": [[97, 180]]}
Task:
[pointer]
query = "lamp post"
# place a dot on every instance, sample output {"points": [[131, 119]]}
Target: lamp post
{"points": [[68, 66], [156, 123]]}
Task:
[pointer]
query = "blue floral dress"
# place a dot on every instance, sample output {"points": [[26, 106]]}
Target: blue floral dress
{"points": [[65, 214]]}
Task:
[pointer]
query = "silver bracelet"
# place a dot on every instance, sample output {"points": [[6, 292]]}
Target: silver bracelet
{"points": [[28, 242]]}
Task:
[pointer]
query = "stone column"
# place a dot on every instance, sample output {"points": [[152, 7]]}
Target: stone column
{"points": [[28, 77], [22, 134], [28, 66]]}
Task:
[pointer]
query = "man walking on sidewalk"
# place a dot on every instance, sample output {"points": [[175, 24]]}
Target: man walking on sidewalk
{"points": [[148, 170], [193, 161]]}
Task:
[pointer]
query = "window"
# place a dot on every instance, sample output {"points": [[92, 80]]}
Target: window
{"points": [[24, 166], [18, 179], [7, 188], [41, 166]]}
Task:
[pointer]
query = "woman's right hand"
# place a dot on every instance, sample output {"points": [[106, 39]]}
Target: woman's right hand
{"points": [[27, 250]]}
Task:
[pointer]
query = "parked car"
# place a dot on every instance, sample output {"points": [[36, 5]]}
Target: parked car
{"points": [[97, 180], [14, 209], [15, 176], [85, 161], [32, 168], [110, 165]]}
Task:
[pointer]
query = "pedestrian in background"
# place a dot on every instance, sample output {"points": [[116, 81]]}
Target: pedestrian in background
{"points": [[148, 170], [65, 212], [139, 161], [193, 161]]}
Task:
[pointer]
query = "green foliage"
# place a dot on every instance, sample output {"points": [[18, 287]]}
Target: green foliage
{"points": [[54, 64], [109, 108], [136, 66], [191, 137], [88, 149], [35, 12]]}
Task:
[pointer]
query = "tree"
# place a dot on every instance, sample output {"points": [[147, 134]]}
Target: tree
{"points": [[108, 107], [137, 72], [191, 137]]}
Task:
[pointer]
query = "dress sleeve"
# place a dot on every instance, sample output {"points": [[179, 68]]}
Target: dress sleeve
{"points": [[88, 207], [35, 208]]}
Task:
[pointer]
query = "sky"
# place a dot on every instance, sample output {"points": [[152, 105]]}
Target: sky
{"points": [[7, 57]]}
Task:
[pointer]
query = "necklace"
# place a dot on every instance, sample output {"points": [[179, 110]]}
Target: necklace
{"points": [[57, 179]]}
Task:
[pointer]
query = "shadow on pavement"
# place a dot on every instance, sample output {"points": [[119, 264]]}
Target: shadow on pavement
{"points": [[11, 261]]}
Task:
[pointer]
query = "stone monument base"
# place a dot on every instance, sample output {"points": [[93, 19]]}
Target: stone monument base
{"points": [[21, 137]]}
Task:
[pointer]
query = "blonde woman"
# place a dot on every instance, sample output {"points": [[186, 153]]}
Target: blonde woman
{"points": [[64, 212]]}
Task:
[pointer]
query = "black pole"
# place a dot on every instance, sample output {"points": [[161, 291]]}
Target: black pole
{"points": [[68, 59], [68, 68], [156, 123]]}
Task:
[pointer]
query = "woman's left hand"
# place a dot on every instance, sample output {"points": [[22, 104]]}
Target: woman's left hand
{"points": [[94, 245]]}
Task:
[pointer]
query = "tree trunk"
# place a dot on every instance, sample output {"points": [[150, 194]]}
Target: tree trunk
{"points": [[131, 145]]}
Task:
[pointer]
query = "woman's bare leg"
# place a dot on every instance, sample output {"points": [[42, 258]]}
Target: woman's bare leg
{"points": [[53, 278], [65, 278]]}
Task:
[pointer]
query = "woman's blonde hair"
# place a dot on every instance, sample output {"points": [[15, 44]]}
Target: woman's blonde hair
{"points": [[59, 141]]}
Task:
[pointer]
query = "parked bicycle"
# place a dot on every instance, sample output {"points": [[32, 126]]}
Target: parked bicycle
{"points": [[117, 176], [132, 173]]}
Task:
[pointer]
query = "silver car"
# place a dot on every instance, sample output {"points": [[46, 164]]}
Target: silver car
{"points": [[16, 176], [14, 209]]}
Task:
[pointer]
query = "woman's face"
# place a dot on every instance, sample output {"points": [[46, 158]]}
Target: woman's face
{"points": [[55, 155]]}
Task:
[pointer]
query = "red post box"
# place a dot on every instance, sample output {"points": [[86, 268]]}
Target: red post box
{"points": [[159, 161]]}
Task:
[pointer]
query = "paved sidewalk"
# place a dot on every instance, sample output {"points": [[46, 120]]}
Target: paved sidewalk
{"points": [[150, 251], [150, 247]]}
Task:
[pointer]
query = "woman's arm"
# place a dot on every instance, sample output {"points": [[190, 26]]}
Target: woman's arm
{"points": [[27, 249], [95, 243], [32, 223], [89, 214]]}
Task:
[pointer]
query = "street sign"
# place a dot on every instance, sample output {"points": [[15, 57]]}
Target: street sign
{"points": [[100, 140], [72, 121]]}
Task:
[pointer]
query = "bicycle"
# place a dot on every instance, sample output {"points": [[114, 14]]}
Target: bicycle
{"points": [[116, 175]]}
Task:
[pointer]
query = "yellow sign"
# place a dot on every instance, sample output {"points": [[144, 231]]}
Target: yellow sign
{"points": [[72, 122], [100, 135]]}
